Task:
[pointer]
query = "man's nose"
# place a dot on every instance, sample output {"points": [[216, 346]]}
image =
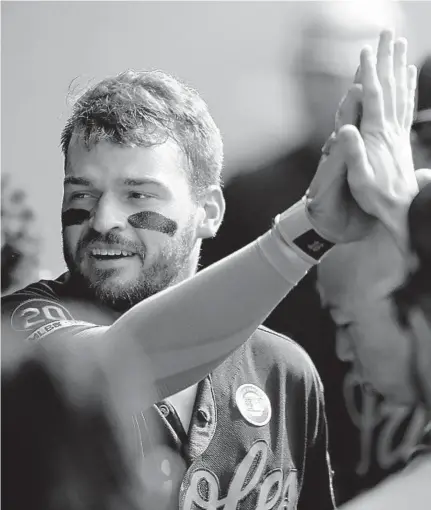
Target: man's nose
{"points": [[107, 215], [343, 347]]}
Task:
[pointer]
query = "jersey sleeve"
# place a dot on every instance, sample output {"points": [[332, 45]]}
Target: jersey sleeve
{"points": [[30, 315], [41, 329]]}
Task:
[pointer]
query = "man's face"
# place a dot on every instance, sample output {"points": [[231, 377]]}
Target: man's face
{"points": [[356, 282], [129, 220]]}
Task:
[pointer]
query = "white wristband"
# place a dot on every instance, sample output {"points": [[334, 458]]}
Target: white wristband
{"points": [[297, 231], [283, 258]]}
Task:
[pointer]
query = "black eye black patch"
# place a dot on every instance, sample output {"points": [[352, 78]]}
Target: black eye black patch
{"points": [[74, 217], [150, 220]]}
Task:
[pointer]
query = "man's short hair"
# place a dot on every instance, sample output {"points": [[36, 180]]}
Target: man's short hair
{"points": [[146, 108]]}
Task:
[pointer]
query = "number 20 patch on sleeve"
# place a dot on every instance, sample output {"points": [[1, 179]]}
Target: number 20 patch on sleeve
{"points": [[35, 314]]}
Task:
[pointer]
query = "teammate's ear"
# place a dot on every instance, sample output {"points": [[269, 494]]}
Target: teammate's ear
{"points": [[213, 207]]}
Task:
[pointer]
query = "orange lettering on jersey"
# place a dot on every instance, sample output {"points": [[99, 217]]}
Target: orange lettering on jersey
{"points": [[272, 490], [380, 423]]}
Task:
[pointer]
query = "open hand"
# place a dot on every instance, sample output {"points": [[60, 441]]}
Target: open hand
{"points": [[380, 164], [378, 183]]}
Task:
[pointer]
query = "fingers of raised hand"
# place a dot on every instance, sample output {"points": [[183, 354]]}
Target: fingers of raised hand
{"points": [[400, 73], [349, 108], [385, 73], [389, 84], [373, 105], [347, 113], [352, 147]]}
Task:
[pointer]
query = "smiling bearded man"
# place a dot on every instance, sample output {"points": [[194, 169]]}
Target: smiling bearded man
{"points": [[240, 405]]}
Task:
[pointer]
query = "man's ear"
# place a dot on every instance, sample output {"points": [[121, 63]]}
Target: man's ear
{"points": [[212, 206]]}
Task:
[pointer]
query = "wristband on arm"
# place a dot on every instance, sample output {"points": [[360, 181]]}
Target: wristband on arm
{"points": [[296, 230], [292, 246]]}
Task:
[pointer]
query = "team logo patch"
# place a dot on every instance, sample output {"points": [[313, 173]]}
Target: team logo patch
{"points": [[253, 404], [34, 313]]}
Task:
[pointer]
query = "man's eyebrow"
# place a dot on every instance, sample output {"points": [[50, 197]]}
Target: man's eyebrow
{"points": [[80, 181], [142, 182]]}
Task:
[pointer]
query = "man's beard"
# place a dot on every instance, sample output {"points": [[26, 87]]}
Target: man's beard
{"points": [[174, 263]]}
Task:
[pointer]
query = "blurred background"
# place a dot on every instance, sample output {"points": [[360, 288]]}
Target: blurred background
{"points": [[243, 57]]}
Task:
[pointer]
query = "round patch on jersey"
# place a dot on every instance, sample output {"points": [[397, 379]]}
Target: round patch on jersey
{"points": [[253, 404], [36, 312]]}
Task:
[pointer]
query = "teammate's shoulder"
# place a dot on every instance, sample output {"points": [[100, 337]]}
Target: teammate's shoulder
{"points": [[279, 343], [281, 350]]}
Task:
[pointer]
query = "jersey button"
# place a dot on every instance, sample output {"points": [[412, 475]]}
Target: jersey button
{"points": [[164, 409], [202, 416]]}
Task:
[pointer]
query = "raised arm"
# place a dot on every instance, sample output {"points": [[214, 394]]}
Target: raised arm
{"points": [[182, 333]]}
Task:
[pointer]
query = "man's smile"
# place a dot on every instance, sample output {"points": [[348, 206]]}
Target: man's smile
{"points": [[100, 254]]}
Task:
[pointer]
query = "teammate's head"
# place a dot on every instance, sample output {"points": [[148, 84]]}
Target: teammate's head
{"points": [[413, 298], [356, 282], [421, 129], [415, 294], [143, 161], [73, 452]]}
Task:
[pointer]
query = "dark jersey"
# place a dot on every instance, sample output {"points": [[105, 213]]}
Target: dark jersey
{"points": [[257, 437], [369, 439]]}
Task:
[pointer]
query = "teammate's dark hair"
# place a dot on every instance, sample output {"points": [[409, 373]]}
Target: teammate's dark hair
{"points": [[418, 284], [58, 452]]}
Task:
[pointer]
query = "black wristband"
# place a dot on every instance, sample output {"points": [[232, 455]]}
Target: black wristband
{"points": [[296, 230], [313, 244]]}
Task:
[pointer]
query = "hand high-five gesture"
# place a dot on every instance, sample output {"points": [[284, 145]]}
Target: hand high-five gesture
{"points": [[367, 174]]}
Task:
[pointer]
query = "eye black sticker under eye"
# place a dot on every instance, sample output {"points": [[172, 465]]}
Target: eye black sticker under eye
{"points": [[74, 217], [150, 220]]}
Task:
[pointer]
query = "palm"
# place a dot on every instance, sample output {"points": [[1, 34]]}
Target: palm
{"points": [[334, 212], [391, 151], [355, 224]]}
